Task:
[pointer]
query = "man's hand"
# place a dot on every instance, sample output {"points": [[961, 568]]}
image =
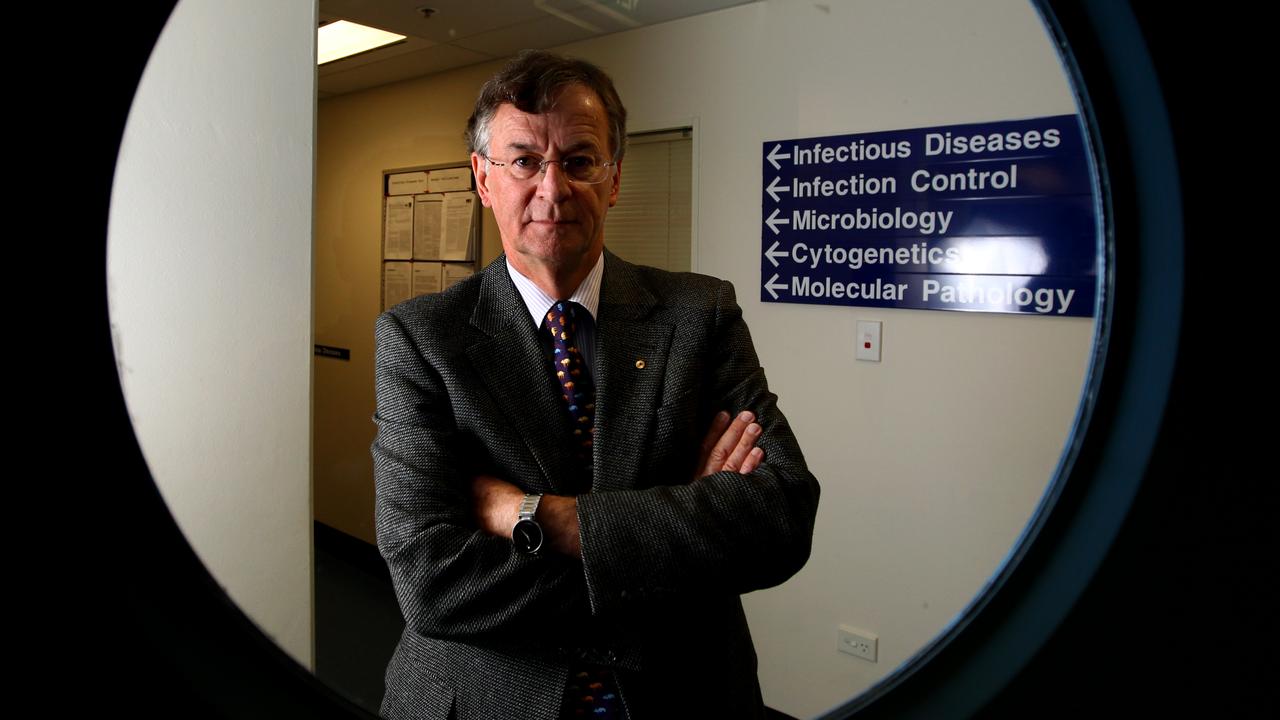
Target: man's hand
{"points": [[730, 445]]}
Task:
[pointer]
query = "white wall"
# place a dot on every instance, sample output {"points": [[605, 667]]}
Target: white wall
{"points": [[209, 283], [932, 461]]}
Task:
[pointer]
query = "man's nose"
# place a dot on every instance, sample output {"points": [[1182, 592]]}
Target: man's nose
{"points": [[554, 183]]}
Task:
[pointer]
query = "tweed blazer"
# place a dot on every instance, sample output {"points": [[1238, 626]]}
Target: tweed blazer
{"points": [[464, 387]]}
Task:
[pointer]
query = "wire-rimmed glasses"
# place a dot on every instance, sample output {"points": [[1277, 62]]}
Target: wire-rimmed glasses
{"points": [[585, 169]]}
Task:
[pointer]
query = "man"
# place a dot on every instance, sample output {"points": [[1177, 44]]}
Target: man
{"points": [[568, 512]]}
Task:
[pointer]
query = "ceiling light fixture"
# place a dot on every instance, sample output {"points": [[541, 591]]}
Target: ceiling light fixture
{"points": [[343, 38]]}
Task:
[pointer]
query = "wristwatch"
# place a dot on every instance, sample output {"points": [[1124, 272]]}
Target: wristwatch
{"points": [[527, 533]]}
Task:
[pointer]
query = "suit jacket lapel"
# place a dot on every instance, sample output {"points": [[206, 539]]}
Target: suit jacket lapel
{"points": [[516, 372], [631, 363]]}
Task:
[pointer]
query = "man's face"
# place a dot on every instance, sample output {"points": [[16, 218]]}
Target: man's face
{"points": [[547, 221]]}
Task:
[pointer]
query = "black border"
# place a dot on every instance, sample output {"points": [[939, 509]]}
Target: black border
{"points": [[163, 639]]}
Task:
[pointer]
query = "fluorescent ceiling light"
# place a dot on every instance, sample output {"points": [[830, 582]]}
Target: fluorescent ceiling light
{"points": [[342, 38]]}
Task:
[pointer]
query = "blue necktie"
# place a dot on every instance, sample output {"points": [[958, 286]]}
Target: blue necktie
{"points": [[592, 694], [576, 388], [592, 691]]}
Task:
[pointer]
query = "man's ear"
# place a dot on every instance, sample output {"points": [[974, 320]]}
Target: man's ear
{"points": [[615, 183], [480, 169]]}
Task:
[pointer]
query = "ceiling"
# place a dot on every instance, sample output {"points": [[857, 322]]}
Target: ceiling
{"points": [[465, 32]]}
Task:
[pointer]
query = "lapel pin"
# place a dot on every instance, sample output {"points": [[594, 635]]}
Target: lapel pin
{"points": [[640, 364]]}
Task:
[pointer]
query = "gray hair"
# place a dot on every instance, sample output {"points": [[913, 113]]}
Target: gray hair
{"points": [[532, 81]]}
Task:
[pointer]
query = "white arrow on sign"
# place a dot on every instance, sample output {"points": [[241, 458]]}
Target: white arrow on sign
{"points": [[774, 156], [771, 286], [774, 188], [774, 252], [773, 222]]}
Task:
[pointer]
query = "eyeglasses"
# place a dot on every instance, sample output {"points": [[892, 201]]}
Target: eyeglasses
{"points": [[585, 169]]}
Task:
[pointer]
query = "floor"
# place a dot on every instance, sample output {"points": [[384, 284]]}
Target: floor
{"points": [[358, 621]]}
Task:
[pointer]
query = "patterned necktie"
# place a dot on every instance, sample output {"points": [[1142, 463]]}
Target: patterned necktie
{"points": [[592, 691], [592, 694], [576, 388]]}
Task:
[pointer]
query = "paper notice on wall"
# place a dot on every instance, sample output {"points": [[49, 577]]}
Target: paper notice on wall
{"points": [[407, 183], [454, 273], [428, 226], [449, 179], [398, 233], [397, 283], [459, 224], [428, 277]]}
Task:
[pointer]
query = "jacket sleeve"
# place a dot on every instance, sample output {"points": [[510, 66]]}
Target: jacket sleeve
{"points": [[452, 580], [726, 532]]}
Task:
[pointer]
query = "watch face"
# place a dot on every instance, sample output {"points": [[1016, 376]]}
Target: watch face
{"points": [[527, 536]]}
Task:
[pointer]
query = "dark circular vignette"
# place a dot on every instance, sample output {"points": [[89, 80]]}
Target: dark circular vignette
{"points": [[166, 640], [170, 639]]}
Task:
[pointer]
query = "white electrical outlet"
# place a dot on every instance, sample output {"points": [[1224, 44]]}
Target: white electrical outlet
{"points": [[858, 643]]}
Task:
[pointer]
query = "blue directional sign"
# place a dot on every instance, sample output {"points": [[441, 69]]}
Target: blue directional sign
{"points": [[985, 217]]}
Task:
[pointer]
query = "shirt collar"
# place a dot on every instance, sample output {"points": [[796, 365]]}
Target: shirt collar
{"points": [[587, 295]]}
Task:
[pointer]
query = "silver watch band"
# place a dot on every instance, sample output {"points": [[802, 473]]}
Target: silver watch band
{"points": [[529, 506]]}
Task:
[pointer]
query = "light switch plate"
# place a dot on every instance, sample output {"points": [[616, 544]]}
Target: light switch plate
{"points": [[867, 342]]}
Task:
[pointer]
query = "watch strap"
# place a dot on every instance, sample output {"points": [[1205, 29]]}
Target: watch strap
{"points": [[529, 507]]}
